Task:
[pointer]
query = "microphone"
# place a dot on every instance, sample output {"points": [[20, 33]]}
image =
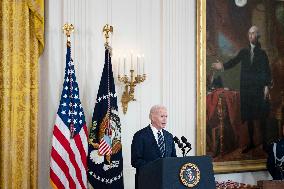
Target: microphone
{"points": [[183, 139], [180, 145], [187, 144], [176, 140]]}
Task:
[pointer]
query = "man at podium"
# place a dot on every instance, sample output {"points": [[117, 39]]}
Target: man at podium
{"points": [[152, 142]]}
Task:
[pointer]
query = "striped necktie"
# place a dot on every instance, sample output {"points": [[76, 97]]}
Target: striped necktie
{"points": [[161, 143]]}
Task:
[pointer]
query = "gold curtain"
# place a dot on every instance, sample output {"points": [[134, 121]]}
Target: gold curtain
{"points": [[21, 43]]}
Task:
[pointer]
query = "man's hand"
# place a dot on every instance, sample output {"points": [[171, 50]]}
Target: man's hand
{"points": [[266, 92], [217, 65]]}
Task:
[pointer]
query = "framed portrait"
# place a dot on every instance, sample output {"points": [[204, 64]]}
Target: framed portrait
{"points": [[240, 83]]}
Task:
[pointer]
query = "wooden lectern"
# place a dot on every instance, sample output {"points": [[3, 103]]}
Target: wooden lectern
{"points": [[270, 184]]}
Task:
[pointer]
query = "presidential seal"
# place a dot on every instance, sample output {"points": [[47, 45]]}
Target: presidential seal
{"points": [[189, 175]]}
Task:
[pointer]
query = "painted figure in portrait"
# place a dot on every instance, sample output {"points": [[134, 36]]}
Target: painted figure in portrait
{"points": [[244, 83]]}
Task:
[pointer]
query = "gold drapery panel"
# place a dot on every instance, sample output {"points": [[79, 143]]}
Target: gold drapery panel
{"points": [[21, 42]]}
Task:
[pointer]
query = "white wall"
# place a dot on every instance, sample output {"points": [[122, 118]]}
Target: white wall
{"points": [[163, 30]]}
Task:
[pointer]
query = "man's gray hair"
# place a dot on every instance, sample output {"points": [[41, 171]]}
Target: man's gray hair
{"points": [[155, 109]]}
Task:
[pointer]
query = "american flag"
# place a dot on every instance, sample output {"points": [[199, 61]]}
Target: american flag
{"points": [[105, 150], [68, 164]]}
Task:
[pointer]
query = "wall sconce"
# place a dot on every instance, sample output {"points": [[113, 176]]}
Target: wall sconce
{"points": [[136, 77]]}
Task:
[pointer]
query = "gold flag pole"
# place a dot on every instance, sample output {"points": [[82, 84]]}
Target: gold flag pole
{"points": [[68, 29]]}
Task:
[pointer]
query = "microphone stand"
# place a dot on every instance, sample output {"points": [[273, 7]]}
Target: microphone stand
{"points": [[183, 151], [183, 145], [188, 150]]}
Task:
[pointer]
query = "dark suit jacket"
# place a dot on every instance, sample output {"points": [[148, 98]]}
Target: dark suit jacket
{"points": [[254, 76], [144, 147]]}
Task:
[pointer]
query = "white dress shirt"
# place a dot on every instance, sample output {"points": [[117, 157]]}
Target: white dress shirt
{"points": [[155, 132], [252, 46]]}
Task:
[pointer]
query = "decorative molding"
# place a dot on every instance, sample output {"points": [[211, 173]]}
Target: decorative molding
{"points": [[177, 66]]}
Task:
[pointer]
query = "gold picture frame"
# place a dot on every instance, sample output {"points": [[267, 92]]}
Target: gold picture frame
{"points": [[219, 167]]}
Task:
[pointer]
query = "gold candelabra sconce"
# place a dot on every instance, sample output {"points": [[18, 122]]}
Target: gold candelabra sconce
{"points": [[130, 81]]}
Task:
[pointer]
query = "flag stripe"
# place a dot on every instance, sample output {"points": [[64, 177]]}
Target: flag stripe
{"points": [[58, 159], [105, 151], [66, 145], [81, 158], [104, 147], [55, 181], [84, 138], [60, 175], [79, 144], [65, 156]]}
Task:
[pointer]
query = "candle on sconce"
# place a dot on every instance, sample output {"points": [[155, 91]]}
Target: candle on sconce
{"points": [[124, 65], [143, 63], [138, 64], [118, 67], [131, 61]]}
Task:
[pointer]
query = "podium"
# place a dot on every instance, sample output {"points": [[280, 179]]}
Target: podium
{"points": [[270, 184], [173, 172]]}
